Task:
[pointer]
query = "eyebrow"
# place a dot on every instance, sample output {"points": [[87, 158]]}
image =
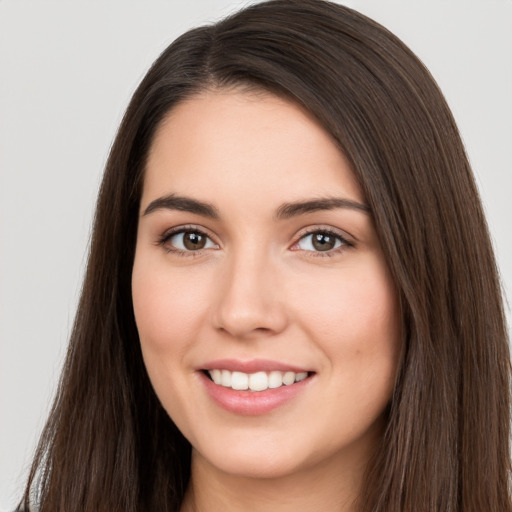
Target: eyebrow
{"points": [[285, 211], [297, 208], [184, 204]]}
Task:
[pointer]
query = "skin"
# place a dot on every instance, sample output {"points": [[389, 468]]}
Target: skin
{"points": [[260, 289]]}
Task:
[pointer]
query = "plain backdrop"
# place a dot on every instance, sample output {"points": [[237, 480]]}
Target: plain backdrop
{"points": [[67, 70]]}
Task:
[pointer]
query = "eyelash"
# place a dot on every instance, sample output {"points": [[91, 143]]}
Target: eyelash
{"points": [[164, 239], [345, 244]]}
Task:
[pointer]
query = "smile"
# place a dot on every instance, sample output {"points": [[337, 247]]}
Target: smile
{"points": [[258, 381], [254, 387]]}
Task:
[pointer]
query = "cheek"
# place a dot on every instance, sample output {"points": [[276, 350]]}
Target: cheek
{"points": [[168, 307], [355, 321], [358, 303], [168, 311]]}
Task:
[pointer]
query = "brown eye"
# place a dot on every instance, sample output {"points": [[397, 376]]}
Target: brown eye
{"points": [[194, 241], [188, 241], [321, 241]]}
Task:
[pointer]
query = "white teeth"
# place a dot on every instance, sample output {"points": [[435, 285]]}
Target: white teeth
{"points": [[239, 381], [259, 381], [225, 378], [216, 376], [275, 380], [300, 376], [288, 378]]}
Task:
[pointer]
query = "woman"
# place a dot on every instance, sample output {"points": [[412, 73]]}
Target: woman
{"points": [[291, 299]]}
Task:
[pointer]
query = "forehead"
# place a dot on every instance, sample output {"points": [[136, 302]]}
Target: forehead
{"points": [[248, 144]]}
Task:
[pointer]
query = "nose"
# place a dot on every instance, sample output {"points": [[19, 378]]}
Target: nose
{"points": [[250, 301]]}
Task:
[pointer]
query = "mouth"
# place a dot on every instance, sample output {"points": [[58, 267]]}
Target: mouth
{"points": [[254, 382], [254, 387]]}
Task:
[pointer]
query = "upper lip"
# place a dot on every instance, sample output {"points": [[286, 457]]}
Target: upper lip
{"points": [[252, 366]]}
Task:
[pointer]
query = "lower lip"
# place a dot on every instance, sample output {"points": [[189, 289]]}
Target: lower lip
{"points": [[252, 403]]}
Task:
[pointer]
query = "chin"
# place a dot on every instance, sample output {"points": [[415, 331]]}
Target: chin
{"points": [[257, 468], [253, 461]]}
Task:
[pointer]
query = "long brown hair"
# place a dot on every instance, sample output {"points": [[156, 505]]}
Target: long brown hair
{"points": [[109, 445]]}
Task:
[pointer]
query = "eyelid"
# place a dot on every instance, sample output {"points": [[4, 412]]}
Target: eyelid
{"points": [[325, 228], [176, 230], [347, 240]]}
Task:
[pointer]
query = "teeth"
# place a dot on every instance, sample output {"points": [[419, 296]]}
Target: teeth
{"points": [[216, 376], [300, 376], [288, 378], [239, 381], [225, 378], [259, 381], [275, 380]]}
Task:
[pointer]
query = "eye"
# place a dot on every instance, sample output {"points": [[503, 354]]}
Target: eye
{"points": [[188, 240], [321, 241]]}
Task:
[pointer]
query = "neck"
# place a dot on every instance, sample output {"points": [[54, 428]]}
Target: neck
{"points": [[325, 487]]}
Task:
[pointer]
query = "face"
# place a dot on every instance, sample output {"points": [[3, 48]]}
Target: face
{"points": [[267, 316]]}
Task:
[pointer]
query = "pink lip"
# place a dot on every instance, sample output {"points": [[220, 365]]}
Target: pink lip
{"points": [[251, 403], [252, 366]]}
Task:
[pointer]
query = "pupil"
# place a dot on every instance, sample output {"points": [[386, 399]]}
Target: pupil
{"points": [[194, 241], [323, 242]]}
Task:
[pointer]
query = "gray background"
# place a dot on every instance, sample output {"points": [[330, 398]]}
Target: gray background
{"points": [[67, 70]]}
